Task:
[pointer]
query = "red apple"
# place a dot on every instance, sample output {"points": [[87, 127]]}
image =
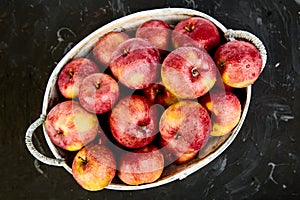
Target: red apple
{"points": [[72, 74], [239, 63], [185, 126], [170, 157], [133, 121], [188, 72], [186, 157], [225, 108], [70, 126], [157, 32], [197, 32], [158, 94], [220, 85], [106, 45], [135, 63], [142, 166], [98, 93], [94, 167]]}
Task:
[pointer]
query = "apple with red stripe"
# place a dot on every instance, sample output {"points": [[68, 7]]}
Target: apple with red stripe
{"points": [[239, 63], [106, 45], [135, 63], [72, 74], [70, 126], [133, 121], [141, 166], [188, 72], [157, 32], [196, 31], [94, 167], [98, 93], [185, 127]]}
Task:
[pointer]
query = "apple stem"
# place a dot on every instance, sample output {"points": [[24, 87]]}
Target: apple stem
{"points": [[71, 73], [58, 133], [195, 72], [222, 64], [177, 136], [158, 91], [97, 85], [125, 52], [84, 160], [189, 28]]}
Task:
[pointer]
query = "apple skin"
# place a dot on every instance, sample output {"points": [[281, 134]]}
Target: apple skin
{"points": [[94, 167], [220, 85], [225, 108], [185, 126], [170, 158], [197, 32], [98, 93], [133, 121], [135, 63], [157, 32], [188, 72], [70, 126], [142, 166], [158, 94], [239, 63], [72, 74], [106, 45]]}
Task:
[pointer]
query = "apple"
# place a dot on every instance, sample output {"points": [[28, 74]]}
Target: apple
{"points": [[157, 32], [225, 108], [98, 93], [158, 94], [72, 74], [106, 45], [185, 126], [188, 72], [70, 126], [133, 121], [177, 159], [94, 167], [135, 63], [239, 63], [186, 157], [220, 85], [141, 166], [197, 32]]}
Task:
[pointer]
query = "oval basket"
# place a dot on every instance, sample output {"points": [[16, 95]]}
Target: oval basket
{"points": [[214, 147]]}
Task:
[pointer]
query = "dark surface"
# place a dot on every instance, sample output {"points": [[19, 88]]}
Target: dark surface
{"points": [[262, 163]]}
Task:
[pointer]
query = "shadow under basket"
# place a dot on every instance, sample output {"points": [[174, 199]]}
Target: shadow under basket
{"points": [[215, 145]]}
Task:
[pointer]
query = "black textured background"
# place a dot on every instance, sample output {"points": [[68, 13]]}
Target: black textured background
{"points": [[263, 161]]}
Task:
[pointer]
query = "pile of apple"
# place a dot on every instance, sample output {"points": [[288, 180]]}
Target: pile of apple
{"points": [[162, 92]]}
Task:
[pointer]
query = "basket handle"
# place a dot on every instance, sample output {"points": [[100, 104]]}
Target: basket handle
{"points": [[233, 34], [33, 150]]}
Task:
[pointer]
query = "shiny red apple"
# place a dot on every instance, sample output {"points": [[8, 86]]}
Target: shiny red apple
{"points": [[98, 93], [157, 32], [72, 74], [185, 126], [135, 63], [141, 166], [94, 167], [188, 72], [133, 121], [106, 45], [70, 126], [239, 63], [196, 31]]}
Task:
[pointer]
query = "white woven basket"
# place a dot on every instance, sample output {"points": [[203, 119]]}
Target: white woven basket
{"points": [[215, 145]]}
